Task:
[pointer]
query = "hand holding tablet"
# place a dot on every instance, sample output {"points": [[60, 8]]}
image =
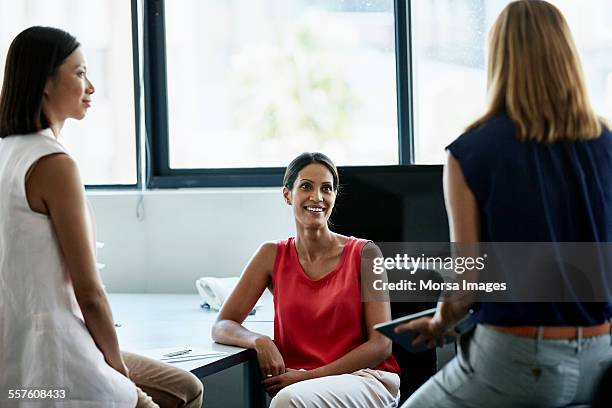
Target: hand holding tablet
{"points": [[421, 330]]}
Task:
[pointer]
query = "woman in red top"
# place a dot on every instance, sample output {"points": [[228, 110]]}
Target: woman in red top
{"points": [[325, 352]]}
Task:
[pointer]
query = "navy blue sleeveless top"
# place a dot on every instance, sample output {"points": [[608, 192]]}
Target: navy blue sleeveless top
{"points": [[536, 192]]}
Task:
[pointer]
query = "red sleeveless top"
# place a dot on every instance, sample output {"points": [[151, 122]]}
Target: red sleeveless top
{"points": [[317, 322]]}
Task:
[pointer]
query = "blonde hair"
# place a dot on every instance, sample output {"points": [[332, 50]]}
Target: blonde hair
{"points": [[534, 74]]}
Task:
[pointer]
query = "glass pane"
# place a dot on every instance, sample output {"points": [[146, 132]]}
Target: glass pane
{"points": [[104, 143], [449, 39], [254, 83]]}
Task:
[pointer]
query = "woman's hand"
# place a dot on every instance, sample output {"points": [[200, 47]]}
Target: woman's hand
{"points": [[274, 384], [270, 360], [431, 331]]}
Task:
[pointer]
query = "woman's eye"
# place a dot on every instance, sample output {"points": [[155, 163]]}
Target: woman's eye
{"points": [[327, 189], [305, 186]]}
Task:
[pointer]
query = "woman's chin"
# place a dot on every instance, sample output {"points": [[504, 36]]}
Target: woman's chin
{"points": [[80, 115], [314, 224]]}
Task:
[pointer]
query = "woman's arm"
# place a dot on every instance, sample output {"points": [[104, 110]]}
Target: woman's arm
{"points": [[54, 187], [464, 225], [367, 355], [228, 328], [461, 206]]}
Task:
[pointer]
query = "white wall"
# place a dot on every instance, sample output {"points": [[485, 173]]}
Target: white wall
{"points": [[183, 235]]}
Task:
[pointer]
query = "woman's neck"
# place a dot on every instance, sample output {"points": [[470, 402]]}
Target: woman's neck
{"points": [[56, 128], [53, 121], [314, 243]]}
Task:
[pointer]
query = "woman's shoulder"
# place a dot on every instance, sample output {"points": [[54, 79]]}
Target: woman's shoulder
{"points": [[264, 257], [34, 145], [276, 245], [606, 132], [268, 248], [477, 145], [498, 126], [44, 136], [364, 245], [369, 250], [343, 240]]}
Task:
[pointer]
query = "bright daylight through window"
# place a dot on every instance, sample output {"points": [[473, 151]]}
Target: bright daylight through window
{"points": [[254, 83], [448, 55], [104, 143]]}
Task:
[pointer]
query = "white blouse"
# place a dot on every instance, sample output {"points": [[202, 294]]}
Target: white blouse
{"points": [[44, 343]]}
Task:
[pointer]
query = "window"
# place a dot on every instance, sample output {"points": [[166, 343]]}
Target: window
{"points": [[236, 89], [448, 58], [104, 143], [254, 83]]}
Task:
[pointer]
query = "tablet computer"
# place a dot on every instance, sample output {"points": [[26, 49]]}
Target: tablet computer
{"points": [[405, 339]]}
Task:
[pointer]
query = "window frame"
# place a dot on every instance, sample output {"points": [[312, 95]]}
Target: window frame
{"points": [[137, 106], [159, 173]]}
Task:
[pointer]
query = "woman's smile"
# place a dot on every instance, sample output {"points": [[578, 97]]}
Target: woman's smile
{"points": [[315, 210]]}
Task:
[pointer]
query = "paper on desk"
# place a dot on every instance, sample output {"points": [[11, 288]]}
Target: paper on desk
{"points": [[196, 353]]}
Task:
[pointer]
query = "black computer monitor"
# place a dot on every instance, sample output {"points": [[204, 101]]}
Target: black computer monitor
{"points": [[391, 204], [396, 204]]}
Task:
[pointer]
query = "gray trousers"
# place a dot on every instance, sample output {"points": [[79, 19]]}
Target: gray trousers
{"points": [[494, 369]]}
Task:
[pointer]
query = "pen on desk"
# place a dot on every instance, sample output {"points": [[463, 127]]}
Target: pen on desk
{"points": [[177, 353]]}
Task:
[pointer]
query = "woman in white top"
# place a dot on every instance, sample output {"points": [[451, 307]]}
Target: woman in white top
{"points": [[56, 327]]}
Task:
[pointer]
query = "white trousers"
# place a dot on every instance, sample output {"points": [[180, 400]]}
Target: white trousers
{"points": [[363, 388]]}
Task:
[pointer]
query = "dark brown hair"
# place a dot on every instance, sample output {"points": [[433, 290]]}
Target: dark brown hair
{"points": [[304, 160], [33, 57]]}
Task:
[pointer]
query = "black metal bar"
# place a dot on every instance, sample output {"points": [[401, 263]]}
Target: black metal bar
{"points": [[262, 177], [255, 395], [136, 68], [208, 178], [137, 90], [403, 44], [97, 187], [156, 102]]}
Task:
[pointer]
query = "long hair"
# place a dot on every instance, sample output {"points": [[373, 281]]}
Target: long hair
{"points": [[535, 76], [33, 57]]}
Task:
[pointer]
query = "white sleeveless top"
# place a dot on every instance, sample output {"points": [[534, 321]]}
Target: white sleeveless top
{"points": [[44, 342]]}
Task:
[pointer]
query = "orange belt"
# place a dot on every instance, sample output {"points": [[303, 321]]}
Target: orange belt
{"points": [[556, 333]]}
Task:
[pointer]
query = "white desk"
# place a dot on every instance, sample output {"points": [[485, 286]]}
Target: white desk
{"points": [[152, 321]]}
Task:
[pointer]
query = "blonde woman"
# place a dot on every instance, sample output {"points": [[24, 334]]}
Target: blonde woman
{"points": [[537, 167]]}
